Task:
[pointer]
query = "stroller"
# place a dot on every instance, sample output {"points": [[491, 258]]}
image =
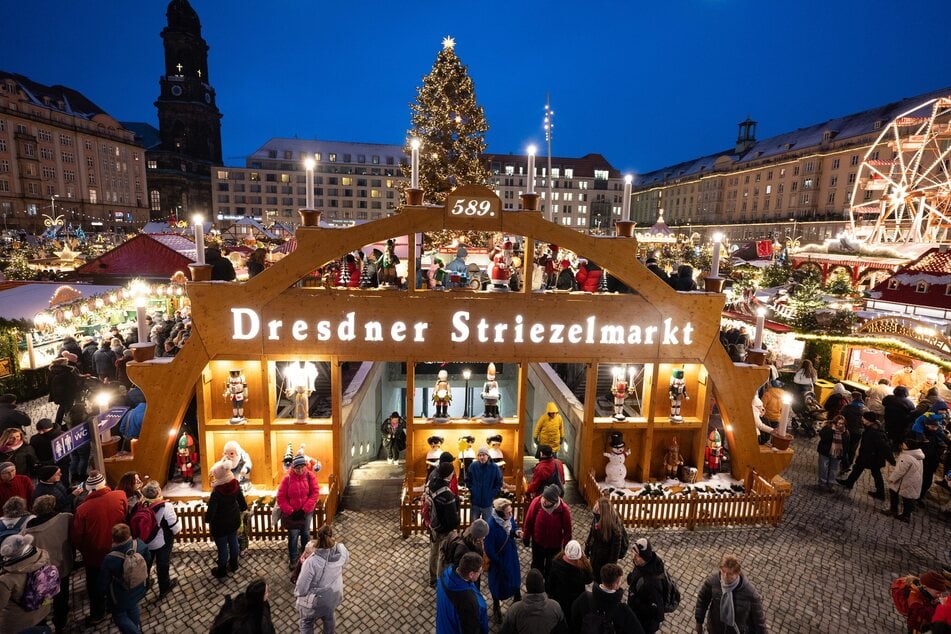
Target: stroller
{"points": [[808, 416]]}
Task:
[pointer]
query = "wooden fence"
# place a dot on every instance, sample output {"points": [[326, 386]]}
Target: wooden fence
{"points": [[411, 519], [759, 504], [191, 515]]}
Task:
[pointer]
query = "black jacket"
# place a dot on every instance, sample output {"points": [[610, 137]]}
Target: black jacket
{"points": [[446, 506], [898, 411], [747, 607], [565, 583], [645, 593], [825, 441], [874, 450], [609, 603], [224, 509], [11, 417], [64, 384]]}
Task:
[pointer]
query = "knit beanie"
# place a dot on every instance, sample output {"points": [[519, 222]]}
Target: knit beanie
{"points": [[445, 470], [500, 503], [16, 546], [44, 424], [299, 461], [6, 465], [551, 493], [534, 582], [644, 549], [479, 529], [151, 490], [221, 472], [95, 481], [483, 450], [46, 472], [573, 550]]}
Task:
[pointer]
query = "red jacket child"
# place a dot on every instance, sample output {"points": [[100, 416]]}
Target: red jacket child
{"points": [[298, 490]]}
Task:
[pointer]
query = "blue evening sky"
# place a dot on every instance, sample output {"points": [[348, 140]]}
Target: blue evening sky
{"points": [[645, 83]]}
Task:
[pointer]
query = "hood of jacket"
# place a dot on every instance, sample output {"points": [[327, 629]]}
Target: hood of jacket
{"points": [[652, 567], [917, 454], [534, 603], [453, 582], [37, 559], [228, 488], [605, 601]]}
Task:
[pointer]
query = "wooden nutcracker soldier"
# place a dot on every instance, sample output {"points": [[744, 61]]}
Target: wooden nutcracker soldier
{"points": [[186, 458], [490, 394], [236, 391], [673, 460], [442, 395], [620, 391], [713, 453], [678, 392], [495, 450]]}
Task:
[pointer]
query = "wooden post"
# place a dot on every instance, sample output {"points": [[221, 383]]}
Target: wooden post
{"points": [[518, 458]]}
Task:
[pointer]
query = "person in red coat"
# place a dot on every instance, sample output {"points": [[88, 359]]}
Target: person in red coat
{"points": [[14, 485], [297, 496], [547, 527], [544, 470], [102, 509], [588, 276]]}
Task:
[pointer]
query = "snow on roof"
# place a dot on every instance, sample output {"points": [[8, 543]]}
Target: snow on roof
{"points": [[24, 300]]}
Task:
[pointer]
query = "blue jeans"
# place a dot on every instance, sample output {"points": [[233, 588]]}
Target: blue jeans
{"points": [[127, 620], [297, 538], [476, 512], [227, 548], [828, 469]]}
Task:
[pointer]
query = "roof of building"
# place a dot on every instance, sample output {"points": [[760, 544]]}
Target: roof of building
{"points": [[145, 255], [854, 125], [582, 166], [59, 98], [23, 300], [146, 134], [235, 232], [300, 147], [932, 267]]}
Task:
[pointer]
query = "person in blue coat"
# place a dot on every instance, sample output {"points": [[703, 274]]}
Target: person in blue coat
{"points": [[130, 426], [460, 608], [484, 479], [505, 575], [123, 601]]}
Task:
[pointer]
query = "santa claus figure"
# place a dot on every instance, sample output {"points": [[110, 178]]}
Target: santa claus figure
{"points": [[501, 271], [186, 458]]}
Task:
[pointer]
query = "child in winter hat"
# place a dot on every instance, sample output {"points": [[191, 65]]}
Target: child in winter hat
{"points": [[221, 472], [16, 547]]}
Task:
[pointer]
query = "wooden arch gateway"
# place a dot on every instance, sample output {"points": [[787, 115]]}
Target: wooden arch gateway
{"points": [[269, 318]]}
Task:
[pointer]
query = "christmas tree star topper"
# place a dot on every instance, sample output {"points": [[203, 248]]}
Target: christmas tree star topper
{"points": [[448, 42]]}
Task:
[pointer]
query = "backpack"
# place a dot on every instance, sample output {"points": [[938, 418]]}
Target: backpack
{"points": [[6, 531], [625, 543], [143, 524], [134, 569], [671, 594], [597, 622], [158, 507], [449, 548], [40, 588], [555, 478], [427, 508], [901, 589]]}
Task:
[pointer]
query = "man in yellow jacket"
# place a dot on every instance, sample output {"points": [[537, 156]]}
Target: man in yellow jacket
{"points": [[550, 428]]}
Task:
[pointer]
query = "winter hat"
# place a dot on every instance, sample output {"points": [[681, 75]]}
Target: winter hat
{"points": [[534, 582], [479, 529], [617, 440], [483, 450], [444, 470], [932, 580], [573, 550], [901, 391], [500, 503], [551, 408], [44, 424], [46, 472], [95, 481], [776, 383], [6, 465], [544, 451], [151, 490], [221, 472], [650, 261], [565, 264], [446, 457], [19, 545], [551, 493], [870, 416], [939, 406], [644, 549], [299, 461]]}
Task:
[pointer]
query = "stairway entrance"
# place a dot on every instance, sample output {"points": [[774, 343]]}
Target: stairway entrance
{"points": [[374, 485]]}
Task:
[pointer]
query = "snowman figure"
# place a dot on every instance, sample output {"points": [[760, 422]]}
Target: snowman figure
{"points": [[615, 472]]}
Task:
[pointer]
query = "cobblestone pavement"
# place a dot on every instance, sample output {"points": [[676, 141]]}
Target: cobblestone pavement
{"points": [[827, 568]]}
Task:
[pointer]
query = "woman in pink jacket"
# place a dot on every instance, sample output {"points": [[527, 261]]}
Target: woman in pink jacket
{"points": [[297, 496]]}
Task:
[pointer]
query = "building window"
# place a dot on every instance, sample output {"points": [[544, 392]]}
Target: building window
{"points": [[93, 198], [154, 197], [4, 165], [833, 180], [69, 176], [921, 287], [65, 140], [332, 157], [4, 186], [835, 164], [3, 145], [830, 200]]}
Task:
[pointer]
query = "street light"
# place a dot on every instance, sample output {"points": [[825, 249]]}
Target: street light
{"points": [[466, 374]]}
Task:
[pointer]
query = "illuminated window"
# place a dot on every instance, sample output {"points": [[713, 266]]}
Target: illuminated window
{"points": [[921, 287]]}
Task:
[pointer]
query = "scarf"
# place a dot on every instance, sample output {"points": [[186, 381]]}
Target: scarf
{"points": [[835, 449], [505, 524], [727, 616]]}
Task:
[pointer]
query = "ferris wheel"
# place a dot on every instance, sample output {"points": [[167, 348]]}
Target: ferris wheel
{"points": [[903, 189]]}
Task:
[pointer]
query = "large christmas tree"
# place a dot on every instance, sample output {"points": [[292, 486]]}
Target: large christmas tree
{"points": [[451, 127]]}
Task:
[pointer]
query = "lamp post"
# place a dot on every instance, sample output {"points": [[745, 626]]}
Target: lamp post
{"points": [[466, 405]]}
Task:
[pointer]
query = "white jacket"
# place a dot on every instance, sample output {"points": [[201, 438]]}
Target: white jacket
{"points": [[324, 569], [165, 514], [906, 477]]}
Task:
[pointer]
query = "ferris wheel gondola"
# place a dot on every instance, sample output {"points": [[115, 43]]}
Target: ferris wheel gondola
{"points": [[903, 190]]}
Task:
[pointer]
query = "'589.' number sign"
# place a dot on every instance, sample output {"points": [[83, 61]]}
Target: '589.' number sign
{"points": [[473, 202]]}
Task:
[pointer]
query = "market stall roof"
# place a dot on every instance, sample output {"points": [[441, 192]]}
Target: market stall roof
{"points": [[150, 256], [23, 300], [248, 227]]}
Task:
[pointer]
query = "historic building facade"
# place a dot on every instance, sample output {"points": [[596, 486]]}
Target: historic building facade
{"points": [[182, 155], [64, 161]]}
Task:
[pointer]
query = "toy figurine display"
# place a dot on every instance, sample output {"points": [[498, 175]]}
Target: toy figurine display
{"points": [[678, 392], [442, 395], [673, 460], [495, 450], [393, 429], [299, 378], [490, 395], [615, 472], [236, 391], [620, 391], [387, 266], [501, 271], [241, 463], [713, 454], [186, 458], [432, 456], [289, 454], [466, 457]]}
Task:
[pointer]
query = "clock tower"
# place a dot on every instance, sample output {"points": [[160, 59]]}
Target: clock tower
{"points": [[179, 166]]}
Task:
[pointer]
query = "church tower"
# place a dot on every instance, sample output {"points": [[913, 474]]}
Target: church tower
{"points": [[189, 121]]}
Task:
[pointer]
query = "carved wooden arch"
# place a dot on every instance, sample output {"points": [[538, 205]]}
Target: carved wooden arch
{"points": [[169, 384]]}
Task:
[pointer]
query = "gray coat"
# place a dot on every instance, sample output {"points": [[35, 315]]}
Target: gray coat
{"points": [[747, 607], [534, 614]]}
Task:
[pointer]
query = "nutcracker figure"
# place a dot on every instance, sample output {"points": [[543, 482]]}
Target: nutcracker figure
{"points": [[442, 395], [673, 460], [490, 394], [186, 458], [678, 392], [501, 267], [432, 456], [236, 391], [713, 453], [300, 379], [495, 450], [387, 266], [620, 391]]}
